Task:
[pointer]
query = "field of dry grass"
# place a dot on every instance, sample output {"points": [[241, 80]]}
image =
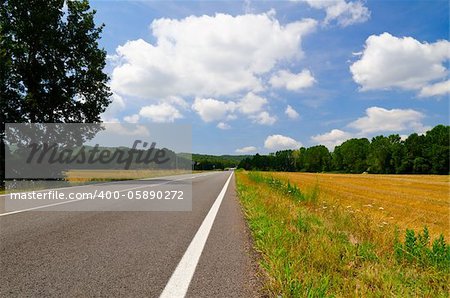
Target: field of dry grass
{"points": [[408, 201], [327, 235], [82, 176]]}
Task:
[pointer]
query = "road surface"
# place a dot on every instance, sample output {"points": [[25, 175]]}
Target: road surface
{"points": [[205, 252]]}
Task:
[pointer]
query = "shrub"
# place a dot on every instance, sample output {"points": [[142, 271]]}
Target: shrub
{"points": [[416, 249]]}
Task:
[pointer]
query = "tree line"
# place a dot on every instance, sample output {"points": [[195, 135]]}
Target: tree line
{"points": [[417, 154], [203, 162]]}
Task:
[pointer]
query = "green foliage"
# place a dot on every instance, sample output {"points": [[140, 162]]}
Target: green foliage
{"points": [[366, 252], [307, 251], [54, 66], [419, 154], [417, 250], [317, 159], [351, 156], [211, 162], [285, 188], [51, 65], [313, 159], [380, 159]]}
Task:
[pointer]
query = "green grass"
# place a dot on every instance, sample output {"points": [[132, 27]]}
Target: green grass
{"points": [[308, 250], [419, 250]]}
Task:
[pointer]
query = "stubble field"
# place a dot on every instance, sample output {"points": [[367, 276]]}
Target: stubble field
{"points": [[336, 235], [408, 201]]}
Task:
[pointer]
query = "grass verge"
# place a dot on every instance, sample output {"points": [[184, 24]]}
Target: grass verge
{"points": [[310, 250]]}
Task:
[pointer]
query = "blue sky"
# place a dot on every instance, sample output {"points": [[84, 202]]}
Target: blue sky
{"points": [[258, 76]]}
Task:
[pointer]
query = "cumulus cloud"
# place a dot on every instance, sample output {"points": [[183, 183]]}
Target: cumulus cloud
{"points": [[116, 106], [223, 125], [263, 118], [160, 113], [246, 149], [376, 121], [291, 113], [343, 12], [383, 120], [440, 88], [280, 142], [176, 101], [127, 130], [131, 118], [251, 103], [291, 81], [332, 139], [251, 106], [210, 109], [206, 56], [391, 62]]}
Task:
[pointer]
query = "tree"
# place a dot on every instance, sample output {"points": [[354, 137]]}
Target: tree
{"points": [[51, 65], [351, 156], [397, 154], [284, 161], [414, 147], [426, 154], [437, 149], [317, 159], [380, 155]]}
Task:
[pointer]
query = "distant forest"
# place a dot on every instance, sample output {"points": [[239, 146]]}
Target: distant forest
{"points": [[417, 154], [203, 162]]}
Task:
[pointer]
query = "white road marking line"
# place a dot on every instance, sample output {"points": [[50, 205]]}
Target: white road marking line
{"points": [[39, 207], [181, 278], [78, 200]]}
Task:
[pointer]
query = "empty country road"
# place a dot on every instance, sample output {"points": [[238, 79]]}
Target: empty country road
{"points": [[205, 252]]}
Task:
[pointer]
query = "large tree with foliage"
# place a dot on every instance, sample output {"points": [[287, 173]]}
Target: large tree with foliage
{"points": [[437, 149], [351, 156], [51, 65], [317, 159]]}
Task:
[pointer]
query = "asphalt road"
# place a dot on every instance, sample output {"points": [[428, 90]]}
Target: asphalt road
{"points": [[131, 253]]}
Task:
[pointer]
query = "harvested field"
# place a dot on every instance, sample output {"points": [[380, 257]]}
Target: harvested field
{"points": [[81, 176], [409, 201]]}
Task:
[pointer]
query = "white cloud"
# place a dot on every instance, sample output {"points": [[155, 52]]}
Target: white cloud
{"points": [[206, 56], [126, 130], [160, 113], [117, 105], [390, 62], [132, 118], [211, 109], [263, 118], [292, 81], [440, 88], [251, 103], [383, 120], [343, 12], [291, 113], [332, 139], [223, 125], [177, 101], [280, 142], [376, 121], [246, 149]]}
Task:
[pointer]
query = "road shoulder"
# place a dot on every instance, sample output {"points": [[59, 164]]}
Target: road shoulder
{"points": [[228, 265]]}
